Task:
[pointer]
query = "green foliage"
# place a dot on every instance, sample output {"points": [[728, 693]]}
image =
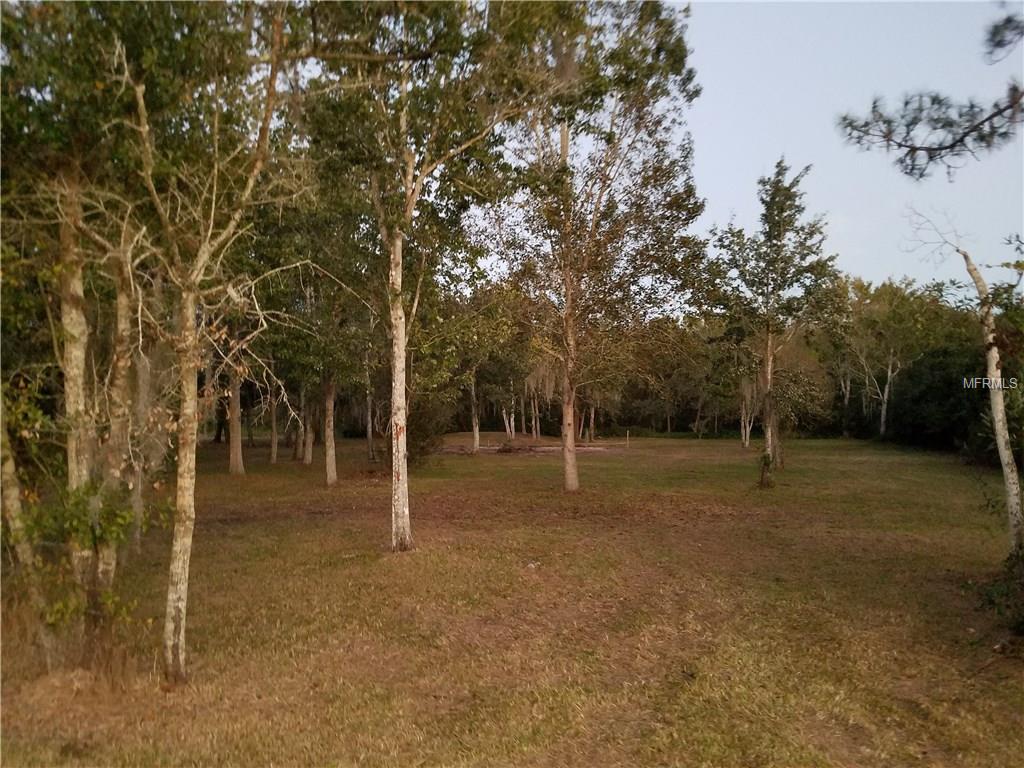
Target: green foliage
{"points": [[930, 128]]}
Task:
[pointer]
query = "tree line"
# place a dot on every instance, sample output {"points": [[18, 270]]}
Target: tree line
{"points": [[398, 219]]}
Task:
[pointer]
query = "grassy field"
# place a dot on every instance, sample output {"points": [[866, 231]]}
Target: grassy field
{"points": [[668, 614]]}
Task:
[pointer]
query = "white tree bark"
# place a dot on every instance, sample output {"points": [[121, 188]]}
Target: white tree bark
{"points": [[185, 509], [474, 413], [570, 474], [993, 370], [401, 526], [768, 418], [237, 463], [886, 391], [330, 459]]}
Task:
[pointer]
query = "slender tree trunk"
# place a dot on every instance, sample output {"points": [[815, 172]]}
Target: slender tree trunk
{"points": [[512, 418], [116, 454], [571, 477], [143, 391], [300, 426], [237, 465], [590, 428], [371, 454], [401, 525], [886, 391], [744, 437], [504, 418], [535, 417], [185, 508], [768, 418], [474, 414], [846, 384], [308, 435], [273, 427], [80, 433], [522, 413], [15, 519], [330, 459], [207, 404], [993, 370]]}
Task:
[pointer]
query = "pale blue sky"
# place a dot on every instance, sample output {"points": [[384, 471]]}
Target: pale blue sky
{"points": [[776, 75]]}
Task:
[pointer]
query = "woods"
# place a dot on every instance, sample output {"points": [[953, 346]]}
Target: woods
{"points": [[323, 225]]}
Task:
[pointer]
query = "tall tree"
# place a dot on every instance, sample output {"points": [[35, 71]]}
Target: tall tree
{"points": [[418, 124], [600, 234], [777, 282]]}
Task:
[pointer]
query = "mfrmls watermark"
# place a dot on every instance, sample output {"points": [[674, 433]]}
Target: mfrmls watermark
{"points": [[982, 382]]}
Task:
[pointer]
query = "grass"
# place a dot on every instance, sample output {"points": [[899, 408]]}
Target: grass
{"points": [[669, 614]]}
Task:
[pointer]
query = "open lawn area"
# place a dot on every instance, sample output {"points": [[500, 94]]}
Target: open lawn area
{"points": [[670, 613]]}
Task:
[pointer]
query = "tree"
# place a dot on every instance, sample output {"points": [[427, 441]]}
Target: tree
{"points": [[987, 302], [419, 127], [199, 129], [931, 128], [599, 235], [961, 131], [890, 328], [777, 282]]}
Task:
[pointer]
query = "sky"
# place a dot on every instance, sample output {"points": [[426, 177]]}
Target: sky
{"points": [[775, 76]]}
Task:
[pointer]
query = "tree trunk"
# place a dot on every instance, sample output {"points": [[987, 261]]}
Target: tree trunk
{"points": [[535, 417], [185, 508], [744, 435], [590, 427], [993, 370], [474, 414], [512, 418], [80, 433], [570, 472], [208, 400], [522, 413], [504, 418], [237, 465], [15, 519], [143, 391], [298, 445], [330, 459], [371, 454], [401, 526], [273, 427], [886, 391], [768, 419], [117, 452], [308, 435], [846, 384]]}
